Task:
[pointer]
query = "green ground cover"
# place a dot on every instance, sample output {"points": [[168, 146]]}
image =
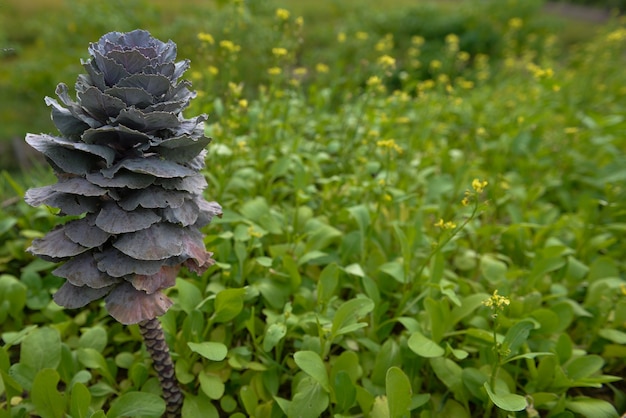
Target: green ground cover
{"points": [[423, 216]]}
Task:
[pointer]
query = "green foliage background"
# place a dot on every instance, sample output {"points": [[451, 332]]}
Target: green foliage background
{"points": [[424, 212]]}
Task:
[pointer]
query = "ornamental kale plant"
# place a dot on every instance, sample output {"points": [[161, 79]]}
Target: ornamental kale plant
{"points": [[127, 164]]}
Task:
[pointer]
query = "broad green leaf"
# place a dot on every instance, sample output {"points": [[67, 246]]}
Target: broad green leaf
{"points": [[311, 363], [275, 332], [309, 401], [517, 335], [210, 350], [347, 315], [189, 296], [211, 385], [439, 317], [12, 296], [361, 215], [355, 270], [11, 386], [493, 269], [583, 367], [614, 335], [388, 356], [424, 347], [506, 401], [80, 401], [228, 304], [39, 350], [349, 362], [399, 393], [394, 269], [591, 408], [93, 359], [327, 283], [95, 338], [468, 305], [248, 399], [46, 398], [134, 404], [449, 373], [380, 408], [528, 356], [344, 391]]}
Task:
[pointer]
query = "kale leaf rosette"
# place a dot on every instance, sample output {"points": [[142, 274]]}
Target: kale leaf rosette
{"points": [[128, 166]]}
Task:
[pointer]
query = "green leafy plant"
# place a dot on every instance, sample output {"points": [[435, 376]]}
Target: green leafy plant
{"points": [[127, 164]]}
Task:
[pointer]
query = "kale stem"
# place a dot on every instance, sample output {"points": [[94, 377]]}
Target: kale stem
{"points": [[153, 337]]}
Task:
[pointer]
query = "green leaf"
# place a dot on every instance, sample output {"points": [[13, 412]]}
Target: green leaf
{"points": [[189, 296], [347, 315], [506, 401], [361, 215], [344, 390], [95, 338], [425, 347], [275, 332], [399, 393], [39, 350], [133, 404], [311, 363], [12, 296], [327, 283], [591, 408], [11, 386], [211, 350], [199, 407], [228, 304], [517, 335], [583, 367], [449, 373], [613, 335], [93, 359], [80, 401], [309, 401], [46, 398], [395, 270], [211, 385]]}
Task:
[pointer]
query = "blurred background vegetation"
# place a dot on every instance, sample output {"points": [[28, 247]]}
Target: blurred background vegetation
{"points": [[43, 41]]}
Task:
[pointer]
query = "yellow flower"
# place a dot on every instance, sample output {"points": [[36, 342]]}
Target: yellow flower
{"points": [[230, 46], [279, 52], [373, 81], [515, 23], [417, 40], [451, 38], [390, 144], [213, 70], [361, 36], [282, 14], [445, 225], [479, 185], [571, 130], [206, 37], [321, 68], [387, 62], [463, 56], [341, 37], [300, 71], [299, 21], [617, 35], [274, 71], [435, 64], [243, 103], [496, 301], [465, 201]]}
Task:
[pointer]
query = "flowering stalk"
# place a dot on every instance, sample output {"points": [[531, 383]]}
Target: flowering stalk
{"points": [[128, 167]]}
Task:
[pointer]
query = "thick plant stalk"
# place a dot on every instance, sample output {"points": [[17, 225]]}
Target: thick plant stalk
{"points": [[154, 339]]}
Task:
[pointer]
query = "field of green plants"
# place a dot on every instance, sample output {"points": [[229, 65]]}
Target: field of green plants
{"points": [[424, 216]]}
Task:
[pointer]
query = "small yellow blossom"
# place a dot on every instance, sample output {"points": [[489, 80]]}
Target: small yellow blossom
{"points": [[361, 36], [196, 75], [387, 197], [622, 288], [206, 37], [282, 14], [321, 68], [466, 84], [417, 40], [390, 144], [373, 81], [465, 201], [387, 62], [235, 88], [463, 56], [254, 233], [435, 64], [479, 185], [213, 70], [274, 71], [230, 46], [300, 71], [341, 37], [571, 130], [299, 21], [496, 301], [243, 103], [279, 52], [617, 35], [451, 38], [481, 131], [515, 23], [445, 225]]}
